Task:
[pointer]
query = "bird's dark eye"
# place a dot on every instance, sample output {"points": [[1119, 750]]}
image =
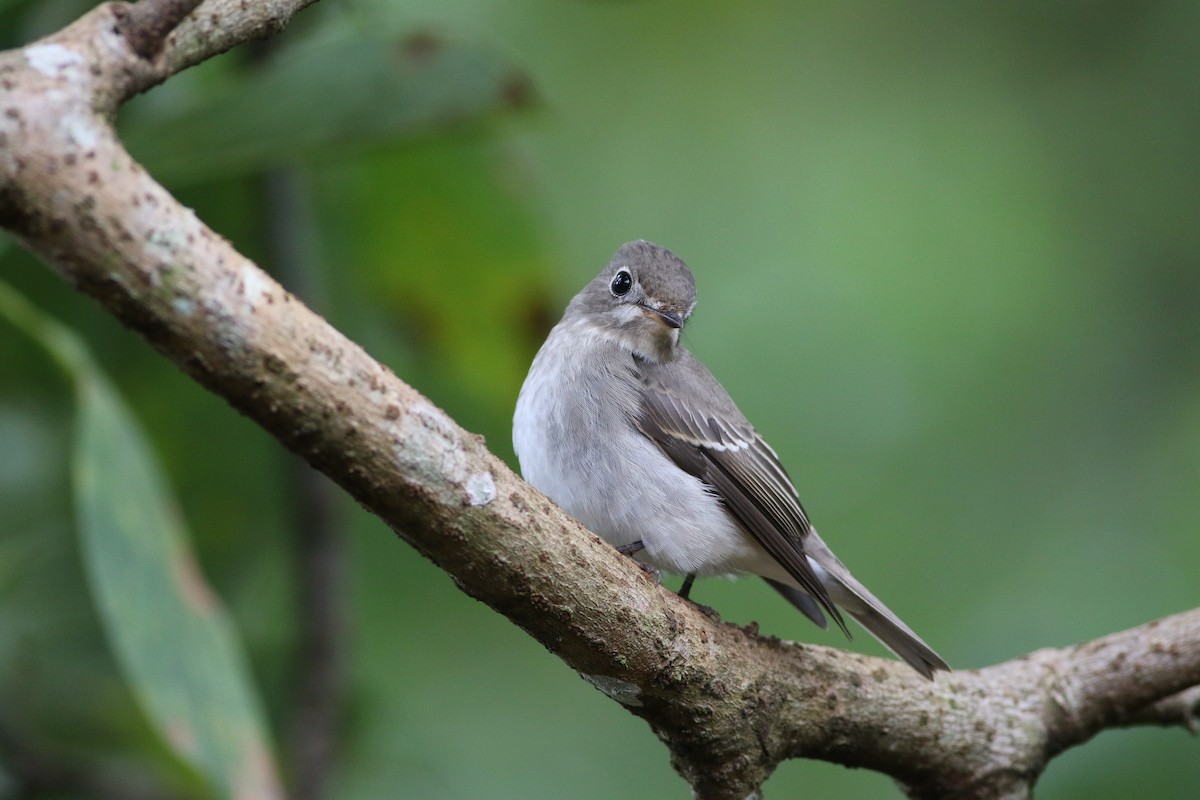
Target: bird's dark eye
{"points": [[622, 282]]}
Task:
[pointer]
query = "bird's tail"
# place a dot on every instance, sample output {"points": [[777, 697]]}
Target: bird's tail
{"points": [[801, 600], [896, 636], [870, 611]]}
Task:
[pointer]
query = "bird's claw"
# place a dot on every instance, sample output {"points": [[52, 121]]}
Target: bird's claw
{"points": [[650, 570], [707, 611]]}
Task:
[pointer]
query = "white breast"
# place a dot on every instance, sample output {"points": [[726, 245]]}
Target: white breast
{"points": [[575, 438]]}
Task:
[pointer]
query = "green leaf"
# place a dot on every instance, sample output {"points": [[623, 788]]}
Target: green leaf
{"points": [[323, 97], [172, 637]]}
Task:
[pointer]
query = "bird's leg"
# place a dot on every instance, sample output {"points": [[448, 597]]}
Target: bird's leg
{"points": [[686, 589], [632, 549]]}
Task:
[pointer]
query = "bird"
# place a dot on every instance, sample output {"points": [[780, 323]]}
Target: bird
{"points": [[620, 425]]}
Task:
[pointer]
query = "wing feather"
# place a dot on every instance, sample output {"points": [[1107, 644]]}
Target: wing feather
{"points": [[720, 448]]}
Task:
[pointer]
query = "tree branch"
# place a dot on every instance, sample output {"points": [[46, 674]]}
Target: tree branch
{"points": [[315, 727], [1181, 709], [145, 25], [730, 705]]}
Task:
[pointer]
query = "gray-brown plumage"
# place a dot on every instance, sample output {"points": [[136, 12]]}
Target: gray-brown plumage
{"points": [[620, 424]]}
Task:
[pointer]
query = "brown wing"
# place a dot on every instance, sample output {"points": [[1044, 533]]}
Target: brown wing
{"points": [[708, 438]]}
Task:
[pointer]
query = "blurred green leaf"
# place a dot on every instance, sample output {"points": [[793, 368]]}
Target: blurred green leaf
{"points": [[326, 97], [452, 266], [171, 634]]}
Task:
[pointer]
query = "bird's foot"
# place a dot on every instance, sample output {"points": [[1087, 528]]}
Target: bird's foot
{"points": [[632, 549], [650, 570], [685, 591], [707, 611]]}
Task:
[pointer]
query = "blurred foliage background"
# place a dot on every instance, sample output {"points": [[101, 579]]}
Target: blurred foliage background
{"points": [[947, 258]]}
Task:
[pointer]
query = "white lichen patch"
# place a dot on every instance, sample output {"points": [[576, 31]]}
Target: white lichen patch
{"points": [[624, 692], [427, 442], [161, 244], [481, 489], [55, 61], [254, 285], [638, 600], [184, 305], [81, 131]]}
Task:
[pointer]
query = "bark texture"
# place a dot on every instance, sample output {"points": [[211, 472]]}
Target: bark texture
{"points": [[729, 704]]}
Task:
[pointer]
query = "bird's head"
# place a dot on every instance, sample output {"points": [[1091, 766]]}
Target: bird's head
{"points": [[641, 300]]}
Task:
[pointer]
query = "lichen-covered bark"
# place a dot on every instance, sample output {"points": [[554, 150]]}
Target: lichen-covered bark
{"points": [[728, 704]]}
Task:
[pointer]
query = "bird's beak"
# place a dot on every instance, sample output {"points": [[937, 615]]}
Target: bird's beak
{"points": [[667, 316]]}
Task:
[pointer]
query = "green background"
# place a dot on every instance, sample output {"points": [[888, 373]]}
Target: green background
{"points": [[948, 261]]}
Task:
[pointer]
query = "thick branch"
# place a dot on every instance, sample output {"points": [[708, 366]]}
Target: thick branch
{"points": [[729, 705], [1124, 676]]}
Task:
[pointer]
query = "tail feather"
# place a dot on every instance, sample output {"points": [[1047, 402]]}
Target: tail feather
{"points": [[870, 611], [801, 600], [896, 636]]}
